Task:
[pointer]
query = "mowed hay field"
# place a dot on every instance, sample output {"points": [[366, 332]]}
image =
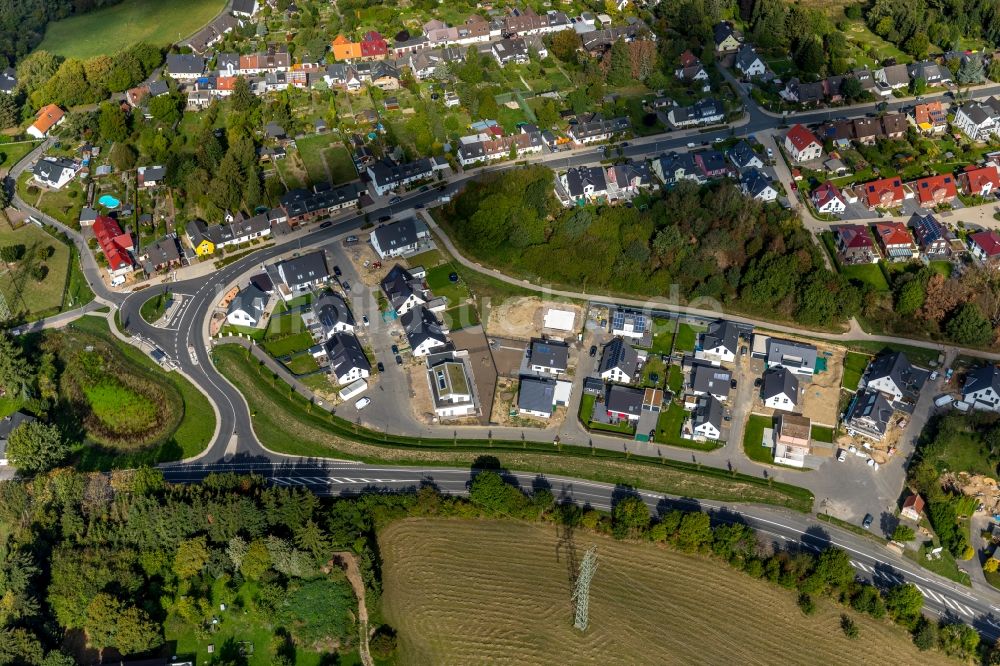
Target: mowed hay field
{"points": [[478, 592], [107, 30]]}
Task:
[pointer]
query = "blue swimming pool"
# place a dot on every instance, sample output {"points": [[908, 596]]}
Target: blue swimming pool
{"points": [[109, 201]]}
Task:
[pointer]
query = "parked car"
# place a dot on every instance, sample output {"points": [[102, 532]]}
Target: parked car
{"points": [[867, 522], [593, 351], [336, 271], [380, 366], [732, 383], [350, 240], [841, 455], [385, 218], [395, 349], [346, 285], [362, 403], [424, 188], [364, 320], [395, 199], [326, 225], [934, 375], [399, 360], [943, 400]]}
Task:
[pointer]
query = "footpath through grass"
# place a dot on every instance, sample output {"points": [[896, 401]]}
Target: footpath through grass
{"points": [[108, 30], [189, 439], [288, 423]]}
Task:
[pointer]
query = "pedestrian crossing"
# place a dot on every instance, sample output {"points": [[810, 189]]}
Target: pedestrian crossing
{"points": [[928, 594], [332, 480]]}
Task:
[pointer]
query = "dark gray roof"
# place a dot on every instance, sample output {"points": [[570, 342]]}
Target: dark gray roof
{"points": [[722, 30], [185, 63], [577, 178], [331, 310], [553, 355], [754, 182], [593, 385], [985, 376], [707, 410], [302, 202], [790, 354], [869, 412], [536, 394], [345, 353], [742, 154], [778, 381], [162, 251], [619, 354], [304, 269], [251, 300], [710, 378], [399, 284], [420, 324], [977, 112], [508, 49], [157, 88], [599, 126], [721, 333], [8, 80], [746, 56], [50, 168], [154, 173], [387, 172], [244, 6], [401, 233], [624, 399], [896, 366]]}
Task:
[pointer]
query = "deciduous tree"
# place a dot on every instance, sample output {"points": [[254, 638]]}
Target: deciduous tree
{"points": [[36, 447]]}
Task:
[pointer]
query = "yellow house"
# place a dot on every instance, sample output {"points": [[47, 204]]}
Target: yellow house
{"points": [[197, 234]]}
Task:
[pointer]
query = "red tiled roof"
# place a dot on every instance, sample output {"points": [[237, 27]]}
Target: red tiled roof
{"points": [[936, 188], [988, 241], [113, 241], [892, 233], [800, 137], [47, 117], [977, 177], [825, 193], [854, 236], [886, 191], [688, 59]]}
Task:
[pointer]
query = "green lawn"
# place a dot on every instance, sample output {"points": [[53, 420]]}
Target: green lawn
{"points": [[437, 279], [586, 408], [153, 309], [668, 429], [622, 427], [870, 274], [753, 435], [854, 366], [922, 356], [460, 317], [675, 379], [193, 433], [289, 344], [105, 31], [654, 366], [687, 337], [18, 287], [944, 566], [302, 364], [284, 324], [943, 267], [326, 159], [663, 336], [11, 153], [822, 434]]}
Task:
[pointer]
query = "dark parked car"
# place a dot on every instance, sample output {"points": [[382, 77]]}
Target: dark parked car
{"points": [[732, 383], [399, 360], [424, 188], [346, 285], [326, 225], [395, 200], [593, 351], [336, 271], [381, 368], [867, 522], [395, 349], [385, 218]]}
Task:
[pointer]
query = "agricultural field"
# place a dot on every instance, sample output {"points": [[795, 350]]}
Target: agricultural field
{"points": [[105, 31], [18, 287], [474, 592], [11, 153]]}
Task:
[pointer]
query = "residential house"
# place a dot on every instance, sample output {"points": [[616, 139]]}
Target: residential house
{"points": [[623, 403], [164, 254], [115, 244], [932, 73], [387, 175], [726, 37], [373, 46], [691, 68], [399, 238], [703, 112], [510, 50], [868, 415], [913, 506], [833, 87], [583, 184], [854, 244], [749, 63], [202, 240], [245, 8], [672, 168], [980, 181], [792, 440], [867, 130], [712, 164], [213, 33], [248, 307], [484, 147], [802, 145], [742, 155], [347, 359], [884, 193], [301, 274], [720, 341], [932, 237], [619, 362], [452, 389], [548, 357], [385, 76], [54, 172], [803, 93], [709, 379], [977, 120], [780, 389], [895, 239], [629, 324], [8, 425], [151, 176], [706, 419], [798, 357], [828, 199], [598, 129], [536, 396], [403, 290], [305, 206], [332, 315], [625, 180], [982, 388], [423, 331], [343, 48], [185, 66], [985, 246], [598, 42], [893, 77], [48, 116], [8, 80], [893, 375], [757, 186], [936, 190], [930, 118], [894, 125]]}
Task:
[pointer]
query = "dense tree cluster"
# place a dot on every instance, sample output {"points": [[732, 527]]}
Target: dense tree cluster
{"points": [[710, 242], [22, 22], [914, 26]]}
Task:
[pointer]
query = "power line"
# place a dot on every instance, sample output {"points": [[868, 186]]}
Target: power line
{"points": [[581, 591]]}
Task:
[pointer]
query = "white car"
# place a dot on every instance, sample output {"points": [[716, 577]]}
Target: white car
{"points": [[934, 375], [841, 455], [362, 403]]}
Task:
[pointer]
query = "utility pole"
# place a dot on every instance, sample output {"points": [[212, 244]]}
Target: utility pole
{"points": [[581, 591]]}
